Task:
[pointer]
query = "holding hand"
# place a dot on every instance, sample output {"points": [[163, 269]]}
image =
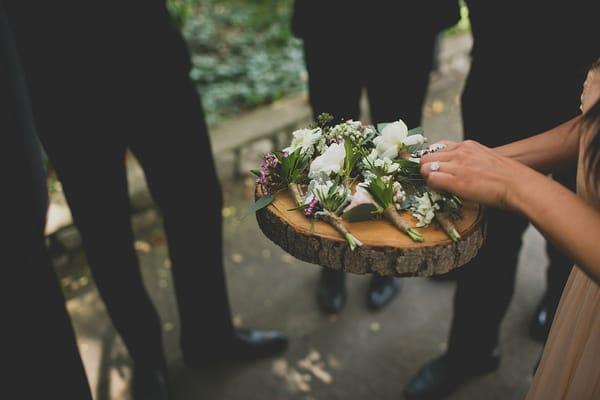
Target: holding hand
{"points": [[476, 172]]}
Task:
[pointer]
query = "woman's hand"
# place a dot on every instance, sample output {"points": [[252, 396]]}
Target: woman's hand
{"points": [[476, 172]]}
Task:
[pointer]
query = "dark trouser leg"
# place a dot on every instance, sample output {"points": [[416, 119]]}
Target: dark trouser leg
{"points": [[174, 150], [40, 349], [484, 289], [95, 185], [335, 90], [37, 343], [396, 87], [397, 90], [485, 286]]}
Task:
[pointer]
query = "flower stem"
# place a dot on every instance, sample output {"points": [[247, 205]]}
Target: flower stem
{"points": [[337, 223], [393, 216], [297, 193], [445, 221]]}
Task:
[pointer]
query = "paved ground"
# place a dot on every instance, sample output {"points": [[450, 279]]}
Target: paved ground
{"points": [[357, 355]]}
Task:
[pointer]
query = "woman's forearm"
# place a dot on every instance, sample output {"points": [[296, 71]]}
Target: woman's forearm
{"points": [[547, 152], [562, 218]]}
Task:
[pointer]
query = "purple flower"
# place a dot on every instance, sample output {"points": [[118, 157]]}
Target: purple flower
{"points": [[311, 207], [267, 170]]}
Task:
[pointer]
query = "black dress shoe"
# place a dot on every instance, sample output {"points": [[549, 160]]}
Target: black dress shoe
{"points": [[542, 320], [331, 292], [442, 376], [382, 289], [246, 345], [149, 384]]}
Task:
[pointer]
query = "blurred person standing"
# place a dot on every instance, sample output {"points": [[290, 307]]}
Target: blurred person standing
{"points": [[105, 77], [384, 47], [528, 62], [39, 350]]}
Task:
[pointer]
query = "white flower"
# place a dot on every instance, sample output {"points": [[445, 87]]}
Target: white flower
{"points": [[304, 139], [387, 166], [320, 188], [360, 196], [434, 196], [383, 165], [367, 176], [321, 145], [399, 194], [370, 159], [315, 186], [393, 137], [414, 140], [330, 162], [425, 209]]}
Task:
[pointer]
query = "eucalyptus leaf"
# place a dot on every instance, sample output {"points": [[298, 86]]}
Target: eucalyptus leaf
{"points": [[416, 131], [258, 205]]}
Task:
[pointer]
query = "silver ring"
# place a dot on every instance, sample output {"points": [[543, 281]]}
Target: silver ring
{"points": [[435, 166]]}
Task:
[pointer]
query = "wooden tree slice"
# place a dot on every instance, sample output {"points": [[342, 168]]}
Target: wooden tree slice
{"points": [[385, 250]]}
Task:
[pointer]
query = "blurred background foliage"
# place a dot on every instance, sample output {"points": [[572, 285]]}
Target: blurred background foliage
{"points": [[243, 52]]}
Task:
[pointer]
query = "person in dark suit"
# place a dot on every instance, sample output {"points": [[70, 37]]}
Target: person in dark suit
{"points": [[520, 51], [111, 76], [381, 46], [38, 342]]}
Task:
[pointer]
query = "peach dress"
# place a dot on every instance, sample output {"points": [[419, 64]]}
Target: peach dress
{"points": [[570, 365]]}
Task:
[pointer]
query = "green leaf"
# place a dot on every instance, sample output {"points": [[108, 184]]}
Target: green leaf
{"points": [[255, 172], [381, 192], [300, 207], [408, 164], [293, 166], [352, 156], [416, 131], [361, 212], [258, 205], [324, 119]]}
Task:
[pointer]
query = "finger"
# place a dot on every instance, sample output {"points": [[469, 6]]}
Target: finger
{"points": [[444, 182], [445, 155], [438, 166], [448, 143]]}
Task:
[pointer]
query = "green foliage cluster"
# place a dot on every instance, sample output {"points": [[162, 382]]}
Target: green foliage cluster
{"points": [[243, 52]]}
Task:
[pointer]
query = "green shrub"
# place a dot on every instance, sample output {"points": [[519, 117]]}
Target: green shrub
{"points": [[243, 52]]}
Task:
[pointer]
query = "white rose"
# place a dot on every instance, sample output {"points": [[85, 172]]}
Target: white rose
{"points": [[394, 136], [330, 162], [304, 139]]}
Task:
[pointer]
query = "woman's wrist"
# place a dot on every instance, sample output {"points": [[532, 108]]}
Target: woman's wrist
{"points": [[523, 189]]}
